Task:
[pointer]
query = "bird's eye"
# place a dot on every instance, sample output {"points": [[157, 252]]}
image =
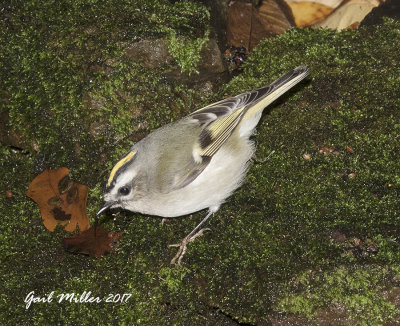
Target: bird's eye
{"points": [[124, 191]]}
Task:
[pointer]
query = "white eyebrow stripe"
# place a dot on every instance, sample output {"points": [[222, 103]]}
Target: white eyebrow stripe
{"points": [[125, 178]]}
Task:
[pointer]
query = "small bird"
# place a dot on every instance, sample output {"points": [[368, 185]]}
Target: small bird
{"points": [[196, 162]]}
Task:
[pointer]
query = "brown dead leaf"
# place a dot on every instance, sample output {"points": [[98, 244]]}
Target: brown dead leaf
{"points": [[239, 24], [61, 201], [247, 24], [95, 241]]}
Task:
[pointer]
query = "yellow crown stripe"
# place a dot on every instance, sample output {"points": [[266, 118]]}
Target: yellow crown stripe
{"points": [[117, 166]]}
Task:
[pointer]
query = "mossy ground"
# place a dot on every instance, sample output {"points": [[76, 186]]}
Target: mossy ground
{"points": [[287, 242]]}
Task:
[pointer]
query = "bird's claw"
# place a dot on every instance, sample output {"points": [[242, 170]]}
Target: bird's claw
{"points": [[183, 246]]}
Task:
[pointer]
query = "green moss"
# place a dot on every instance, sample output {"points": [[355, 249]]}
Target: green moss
{"points": [[351, 108], [185, 49], [186, 52], [358, 289], [61, 62]]}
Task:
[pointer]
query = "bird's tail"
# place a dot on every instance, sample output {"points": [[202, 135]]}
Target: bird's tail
{"points": [[267, 94]]}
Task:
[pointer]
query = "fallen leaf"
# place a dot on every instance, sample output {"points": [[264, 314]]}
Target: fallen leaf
{"points": [[95, 241], [348, 14], [329, 3], [247, 24], [272, 17], [239, 24], [61, 201], [307, 13]]}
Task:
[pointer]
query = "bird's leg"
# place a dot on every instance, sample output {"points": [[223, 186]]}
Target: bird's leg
{"points": [[189, 238]]}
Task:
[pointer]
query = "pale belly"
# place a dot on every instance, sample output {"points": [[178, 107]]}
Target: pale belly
{"points": [[210, 189]]}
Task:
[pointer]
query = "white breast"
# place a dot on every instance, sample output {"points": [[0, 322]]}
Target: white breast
{"points": [[210, 189]]}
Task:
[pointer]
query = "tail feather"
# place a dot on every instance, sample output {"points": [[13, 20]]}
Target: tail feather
{"points": [[268, 94]]}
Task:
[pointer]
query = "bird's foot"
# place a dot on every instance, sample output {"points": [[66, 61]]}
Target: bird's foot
{"points": [[183, 246]]}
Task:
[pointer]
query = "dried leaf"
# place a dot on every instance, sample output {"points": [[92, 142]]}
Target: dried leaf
{"points": [[61, 201], [239, 24], [248, 25], [307, 13], [271, 18], [329, 3], [95, 241], [349, 14]]}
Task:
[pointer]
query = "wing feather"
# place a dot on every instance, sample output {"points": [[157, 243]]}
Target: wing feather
{"points": [[220, 119]]}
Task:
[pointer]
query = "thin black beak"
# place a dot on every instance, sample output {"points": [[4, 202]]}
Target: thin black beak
{"points": [[105, 207]]}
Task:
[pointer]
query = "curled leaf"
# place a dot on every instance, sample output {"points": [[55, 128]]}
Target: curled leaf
{"points": [[61, 201]]}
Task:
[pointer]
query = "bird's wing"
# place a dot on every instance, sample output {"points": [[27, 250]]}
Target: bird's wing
{"points": [[219, 120]]}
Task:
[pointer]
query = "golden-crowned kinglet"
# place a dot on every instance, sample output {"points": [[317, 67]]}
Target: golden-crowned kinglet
{"points": [[196, 162]]}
